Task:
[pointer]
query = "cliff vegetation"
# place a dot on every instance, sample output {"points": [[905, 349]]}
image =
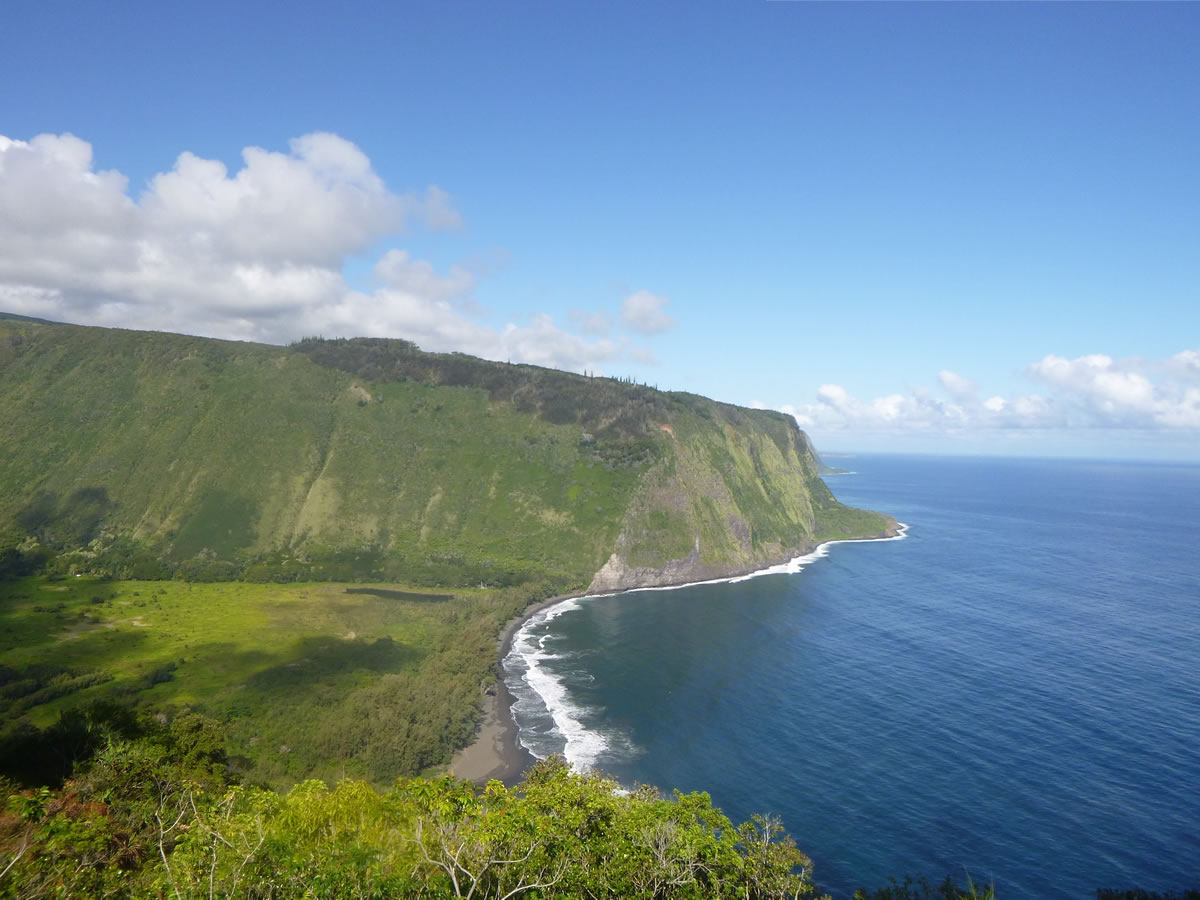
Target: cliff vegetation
{"points": [[146, 455]]}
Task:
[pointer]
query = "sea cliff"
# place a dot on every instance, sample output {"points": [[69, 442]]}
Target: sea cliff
{"points": [[140, 454]]}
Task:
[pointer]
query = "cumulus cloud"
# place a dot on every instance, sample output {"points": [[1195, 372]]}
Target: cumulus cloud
{"points": [[837, 409], [1098, 389], [200, 246], [398, 271], [644, 313], [1093, 391], [955, 384], [254, 254], [1185, 364], [310, 207], [1184, 412]]}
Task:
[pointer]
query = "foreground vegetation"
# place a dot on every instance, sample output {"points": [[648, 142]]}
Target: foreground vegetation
{"points": [[310, 680], [144, 758], [153, 814], [151, 811]]}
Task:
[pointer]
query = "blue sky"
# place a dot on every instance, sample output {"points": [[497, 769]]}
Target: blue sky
{"points": [[953, 228]]}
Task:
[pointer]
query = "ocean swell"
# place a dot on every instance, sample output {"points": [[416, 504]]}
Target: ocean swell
{"points": [[548, 719]]}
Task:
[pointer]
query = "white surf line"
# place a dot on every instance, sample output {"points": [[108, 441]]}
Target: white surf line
{"points": [[791, 567], [583, 745]]}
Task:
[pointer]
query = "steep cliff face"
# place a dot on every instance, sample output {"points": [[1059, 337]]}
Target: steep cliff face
{"points": [[370, 459], [734, 491]]}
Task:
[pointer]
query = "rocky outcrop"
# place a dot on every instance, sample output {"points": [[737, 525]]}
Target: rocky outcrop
{"points": [[617, 575]]}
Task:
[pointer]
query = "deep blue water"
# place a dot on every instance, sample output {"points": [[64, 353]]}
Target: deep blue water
{"points": [[1014, 688]]}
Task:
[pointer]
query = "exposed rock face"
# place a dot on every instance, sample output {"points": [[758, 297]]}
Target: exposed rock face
{"points": [[617, 575]]}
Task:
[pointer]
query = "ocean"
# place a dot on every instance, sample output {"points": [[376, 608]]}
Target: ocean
{"points": [[1013, 689]]}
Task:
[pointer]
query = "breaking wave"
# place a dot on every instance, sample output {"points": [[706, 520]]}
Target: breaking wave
{"points": [[550, 719]]}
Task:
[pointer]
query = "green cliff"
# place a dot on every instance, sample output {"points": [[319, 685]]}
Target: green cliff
{"points": [[138, 454]]}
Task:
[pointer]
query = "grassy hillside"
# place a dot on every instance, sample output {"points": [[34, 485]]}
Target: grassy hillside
{"points": [[141, 454]]}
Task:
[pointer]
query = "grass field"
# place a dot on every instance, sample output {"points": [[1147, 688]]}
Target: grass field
{"points": [[308, 677]]}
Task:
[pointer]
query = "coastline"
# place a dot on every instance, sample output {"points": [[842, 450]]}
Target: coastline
{"points": [[497, 754]]}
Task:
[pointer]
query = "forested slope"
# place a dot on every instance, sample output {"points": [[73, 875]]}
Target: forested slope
{"points": [[143, 454]]}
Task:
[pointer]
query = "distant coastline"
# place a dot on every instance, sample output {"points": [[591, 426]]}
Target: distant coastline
{"points": [[497, 753]]}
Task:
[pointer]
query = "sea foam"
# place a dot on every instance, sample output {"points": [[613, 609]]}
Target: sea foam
{"points": [[542, 694]]}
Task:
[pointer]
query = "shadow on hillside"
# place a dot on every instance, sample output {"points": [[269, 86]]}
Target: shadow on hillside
{"points": [[32, 615], [318, 659], [230, 657], [88, 665], [412, 596], [102, 648]]}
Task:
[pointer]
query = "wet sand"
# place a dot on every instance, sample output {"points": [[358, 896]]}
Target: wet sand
{"points": [[496, 754]]}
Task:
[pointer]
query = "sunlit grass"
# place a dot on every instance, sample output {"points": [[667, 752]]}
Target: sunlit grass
{"points": [[274, 661]]}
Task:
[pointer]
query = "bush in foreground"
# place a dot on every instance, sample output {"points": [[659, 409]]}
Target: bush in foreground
{"points": [[158, 818]]}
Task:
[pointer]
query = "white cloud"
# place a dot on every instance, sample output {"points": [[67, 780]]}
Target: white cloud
{"points": [[835, 395], [995, 404], [644, 313], [436, 325], [1184, 412], [545, 344], [255, 254], [1029, 410], [1093, 391], [1096, 385], [313, 206], [836, 409], [199, 246], [955, 384], [1185, 364], [398, 271]]}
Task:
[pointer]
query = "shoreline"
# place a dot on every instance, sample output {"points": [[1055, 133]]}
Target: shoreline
{"points": [[496, 752]]}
